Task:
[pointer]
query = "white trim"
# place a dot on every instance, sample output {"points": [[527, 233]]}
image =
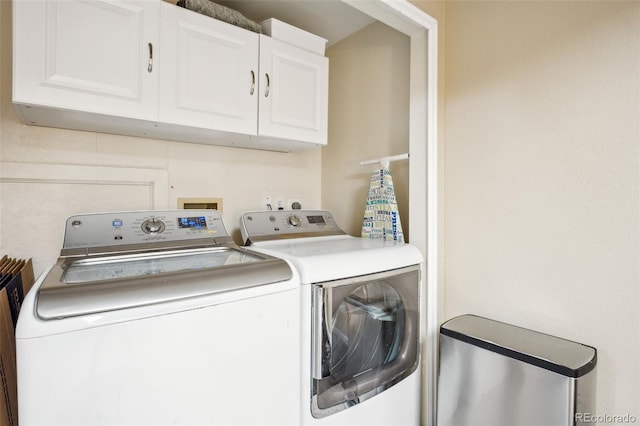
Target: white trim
{"points": [[398, 14], [423, 167], [156, 179]]}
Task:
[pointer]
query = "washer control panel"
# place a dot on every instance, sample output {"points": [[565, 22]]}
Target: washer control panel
{"points": [[120, 228], [282, 224]]}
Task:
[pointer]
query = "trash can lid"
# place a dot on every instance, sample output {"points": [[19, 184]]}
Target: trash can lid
{"points": [[552, 353]]}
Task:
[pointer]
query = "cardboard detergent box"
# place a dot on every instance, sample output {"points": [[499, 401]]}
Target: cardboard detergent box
{"points": [[16, 278]]}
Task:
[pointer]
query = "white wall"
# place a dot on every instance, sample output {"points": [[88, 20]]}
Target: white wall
{"points": [[32, 227], [542, 176]]}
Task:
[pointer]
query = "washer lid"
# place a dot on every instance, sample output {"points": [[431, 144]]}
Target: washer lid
{"points": [[97, 284], [90, 270]]}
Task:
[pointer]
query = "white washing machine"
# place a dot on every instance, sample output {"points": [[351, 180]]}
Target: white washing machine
{"points": [[360, 318], [157, 318]]}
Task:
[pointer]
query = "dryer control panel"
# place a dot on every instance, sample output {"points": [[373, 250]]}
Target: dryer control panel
{"points": [[284, 224], [101, 230]]}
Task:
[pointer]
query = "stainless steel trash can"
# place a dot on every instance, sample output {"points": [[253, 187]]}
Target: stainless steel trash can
{"points": [[495, 374]]}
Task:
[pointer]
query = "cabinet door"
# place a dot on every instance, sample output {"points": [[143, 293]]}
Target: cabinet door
{"points": [[210, 73], [293, 92], [92, 56]]}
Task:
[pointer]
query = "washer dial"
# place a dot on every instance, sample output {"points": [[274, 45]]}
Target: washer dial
{"points": [[294, 220], [153, 226]]}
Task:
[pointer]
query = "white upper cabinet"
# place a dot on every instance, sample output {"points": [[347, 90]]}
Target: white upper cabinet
{"points": [[294, 86], [210, 72], [95, 56], [149, 68]]}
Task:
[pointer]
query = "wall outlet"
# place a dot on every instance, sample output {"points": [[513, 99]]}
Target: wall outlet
{"points": [[266, 203]]}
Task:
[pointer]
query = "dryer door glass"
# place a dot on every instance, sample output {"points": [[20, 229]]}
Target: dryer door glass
{"points": [[366, 337]]}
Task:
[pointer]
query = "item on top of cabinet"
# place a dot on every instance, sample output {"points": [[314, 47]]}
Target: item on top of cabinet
{"points": [[220, 12], [295, 36]]}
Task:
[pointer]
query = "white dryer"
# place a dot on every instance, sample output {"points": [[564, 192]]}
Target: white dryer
{"points": [[157, 318], [360, 319]]}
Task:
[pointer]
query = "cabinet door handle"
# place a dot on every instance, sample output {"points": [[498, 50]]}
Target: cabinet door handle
{"points": [[150, 67], [266, 90], [253, 83]]}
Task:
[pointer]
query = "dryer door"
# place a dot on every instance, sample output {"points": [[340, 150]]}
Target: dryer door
{"points": [[365, 337]]}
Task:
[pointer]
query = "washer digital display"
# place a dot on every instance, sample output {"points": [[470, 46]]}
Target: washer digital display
{"points": [[196, 222], [316, 219]]}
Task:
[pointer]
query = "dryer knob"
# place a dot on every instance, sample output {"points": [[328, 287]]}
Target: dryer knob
{"points": [[294, 220]]}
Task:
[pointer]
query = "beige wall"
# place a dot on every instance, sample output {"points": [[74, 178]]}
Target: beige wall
{"points": [[369, 118], [240, 176], [541, 175]]}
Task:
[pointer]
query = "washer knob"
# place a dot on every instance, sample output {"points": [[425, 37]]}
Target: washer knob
{"points": [[153, 226], [294, 220]]}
